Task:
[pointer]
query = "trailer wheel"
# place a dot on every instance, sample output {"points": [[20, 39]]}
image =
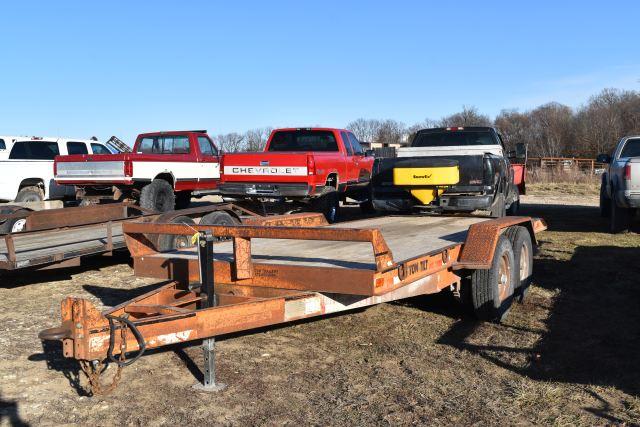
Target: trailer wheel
{"points": [[605, 201], [15, 225], [492, 289], [30, 194], [158, 196], [171, 242], [183, 199], [522, 258], [328, 204]]}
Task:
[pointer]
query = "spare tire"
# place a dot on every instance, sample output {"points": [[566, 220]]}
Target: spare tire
{"points": [[158, 196], [30, 194], [172, 242]]}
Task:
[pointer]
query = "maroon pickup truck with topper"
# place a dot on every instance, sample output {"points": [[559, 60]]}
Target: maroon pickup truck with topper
{"points": [[315, 166], [162, 173]]}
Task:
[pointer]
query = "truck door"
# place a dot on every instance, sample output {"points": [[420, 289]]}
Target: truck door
{"points": [[209, 163]]}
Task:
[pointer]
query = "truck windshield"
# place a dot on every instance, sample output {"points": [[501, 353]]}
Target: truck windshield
{"points": [[303, 140], [631, 148], [449, 138]]}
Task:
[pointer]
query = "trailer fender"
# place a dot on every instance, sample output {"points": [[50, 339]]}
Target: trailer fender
{"points": [[482, 238]]}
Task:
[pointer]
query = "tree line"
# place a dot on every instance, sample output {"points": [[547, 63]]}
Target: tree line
{"points": [[550, 130]]}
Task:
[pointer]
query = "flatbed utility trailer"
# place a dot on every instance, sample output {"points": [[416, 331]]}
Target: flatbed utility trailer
{"points": [[53, 238], [289, 268]]}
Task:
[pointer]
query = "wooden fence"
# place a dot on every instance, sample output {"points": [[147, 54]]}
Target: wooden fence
{"points": [[565, 163]]}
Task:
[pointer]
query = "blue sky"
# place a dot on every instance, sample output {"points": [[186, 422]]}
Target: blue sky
{"points": [[103, 68]]}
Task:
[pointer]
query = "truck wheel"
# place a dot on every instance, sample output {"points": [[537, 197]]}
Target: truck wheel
{"points": [[172, 242], [605, 201], [329, 205], [183, 199], [620, 218], [514, 207], [30, 194], [158, 196], [498, 209], [522, 258], [492, 289]]}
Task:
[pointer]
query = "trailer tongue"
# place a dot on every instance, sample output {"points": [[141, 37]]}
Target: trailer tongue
{"points": [[271, 273]]}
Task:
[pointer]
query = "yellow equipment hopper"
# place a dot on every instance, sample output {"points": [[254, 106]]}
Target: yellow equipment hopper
{"points": [[426, 183]]}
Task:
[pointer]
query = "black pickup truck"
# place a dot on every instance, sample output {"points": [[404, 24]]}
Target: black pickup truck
{"points": [[450, 169]]}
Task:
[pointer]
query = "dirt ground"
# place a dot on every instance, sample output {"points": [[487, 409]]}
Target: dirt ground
{"points": [[568, 355]]}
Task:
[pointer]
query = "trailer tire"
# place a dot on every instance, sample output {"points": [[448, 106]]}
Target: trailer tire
{"points": [[14, 225], [171, 242], [328, 204], [158, 196], [492, 289], [605, 201], [30, 194], [522, 258], [183, 199], [218, 218]]}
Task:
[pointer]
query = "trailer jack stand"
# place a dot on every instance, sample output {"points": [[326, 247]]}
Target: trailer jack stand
{"points": [[205, 258], [209, 371]]}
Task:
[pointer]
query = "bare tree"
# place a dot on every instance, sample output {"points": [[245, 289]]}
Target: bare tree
{"points": [[469, 116], [390, 132], [229, 142], [256, 139], [365, 129]]}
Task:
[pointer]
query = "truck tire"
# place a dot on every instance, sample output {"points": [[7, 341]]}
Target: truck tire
{"points": [[158, 196], [30, 194], [492, 289], [218, 218], [14, 225], [367, 206], [498, 209], [328, 204], [183, 199], [620, 218], [522, 258], [605, 201], [172, 242], [514, 207]]}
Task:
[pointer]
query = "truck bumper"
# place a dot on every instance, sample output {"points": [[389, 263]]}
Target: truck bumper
{"points": [[627, 199], [254, 189], [446, 203]]}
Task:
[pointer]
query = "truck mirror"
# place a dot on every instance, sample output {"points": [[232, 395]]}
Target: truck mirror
{"points": [[521, 151], [369, 153], [603, 158]]}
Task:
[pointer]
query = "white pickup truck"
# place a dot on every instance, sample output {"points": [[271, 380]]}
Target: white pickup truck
{"points": [[26, 166], [620, 186]]}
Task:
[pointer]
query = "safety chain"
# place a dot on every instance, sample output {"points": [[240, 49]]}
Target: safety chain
{"points": [[93, 370]]}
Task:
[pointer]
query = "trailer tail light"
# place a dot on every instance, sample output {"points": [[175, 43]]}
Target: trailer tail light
{"points": [[128, 168], [627, 172], [311, 165], [221, 164]]}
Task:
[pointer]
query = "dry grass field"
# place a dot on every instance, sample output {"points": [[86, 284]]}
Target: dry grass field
{"points": [[567, 356]]}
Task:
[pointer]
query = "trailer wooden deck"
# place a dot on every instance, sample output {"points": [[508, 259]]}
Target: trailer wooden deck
{"points": [[407, 237]]}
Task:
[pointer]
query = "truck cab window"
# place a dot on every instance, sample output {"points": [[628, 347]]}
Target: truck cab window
{"points": [[180, 145], [2, 145], [34, 150], [99, 149], [206, 146], [631, 148], [77, 148], [357, 148], [347, 143], [303, 140]]}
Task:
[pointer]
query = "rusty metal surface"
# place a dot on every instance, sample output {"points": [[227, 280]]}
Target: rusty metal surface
{"points": [[482, 238]]}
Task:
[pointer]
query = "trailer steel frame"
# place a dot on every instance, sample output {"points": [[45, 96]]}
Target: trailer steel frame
{"points": [[206, 297]]}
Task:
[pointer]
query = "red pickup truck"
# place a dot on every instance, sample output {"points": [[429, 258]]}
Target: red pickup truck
{"points": [[316, 166], [162, 173]]}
